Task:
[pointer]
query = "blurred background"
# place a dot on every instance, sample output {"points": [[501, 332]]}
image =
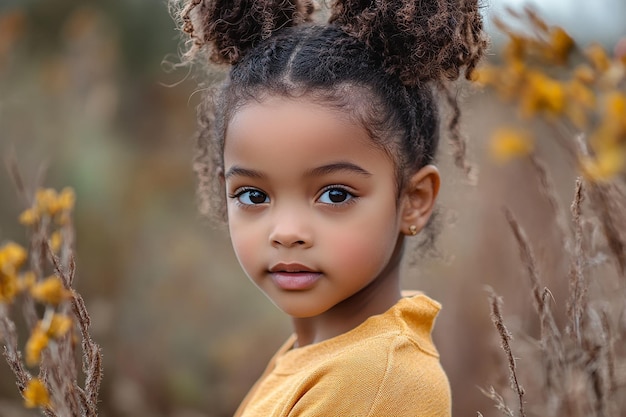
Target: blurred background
{"points": [[86, 101]]}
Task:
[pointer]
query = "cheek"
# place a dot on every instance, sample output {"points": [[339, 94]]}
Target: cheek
{"points": [[246, 246], [365, 244]]}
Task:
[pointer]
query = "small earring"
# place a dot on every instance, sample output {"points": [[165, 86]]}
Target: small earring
{"points": [[413, 230]]}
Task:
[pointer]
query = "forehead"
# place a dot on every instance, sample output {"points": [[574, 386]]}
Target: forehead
{"points": [[297, 134]]}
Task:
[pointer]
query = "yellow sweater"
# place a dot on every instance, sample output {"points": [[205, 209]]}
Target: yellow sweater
{"points": [[385, 367]]}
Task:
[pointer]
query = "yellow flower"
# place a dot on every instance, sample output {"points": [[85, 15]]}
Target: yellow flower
{"points": [[598, 57], [55, 241], [8, 287], [29, 217], [606, 165], [542, 94], [39, 339], [612, 128], [36, 394], [581, 94], [12, 256], [516, 49], [581, 100], [66, 199], [51, 291], [59, 326], [37, 342], [485, 75], [561, 45], [46, 201], [508, 143], [584, 73], [616, 105]]}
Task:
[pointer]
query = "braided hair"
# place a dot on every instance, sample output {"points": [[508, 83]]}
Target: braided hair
{"points": [[379, 61]]}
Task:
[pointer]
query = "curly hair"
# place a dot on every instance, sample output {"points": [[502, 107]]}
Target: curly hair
{"points": [[379, 61]]}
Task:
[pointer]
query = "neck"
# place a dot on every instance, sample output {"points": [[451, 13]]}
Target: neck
{"points": [[376, 298]]}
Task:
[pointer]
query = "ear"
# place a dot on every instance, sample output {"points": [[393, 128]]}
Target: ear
{"points": [[418, 200]]}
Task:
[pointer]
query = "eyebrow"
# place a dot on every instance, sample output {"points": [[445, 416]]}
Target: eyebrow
{"points": [[242, 172], [315, 172], [337, 167]]}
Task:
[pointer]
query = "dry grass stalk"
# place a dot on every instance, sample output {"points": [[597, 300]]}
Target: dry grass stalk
{"points": [[579, 92], [46, 286], [608, 203], [547, 188], [505, 338], [550, 334], [579, 376], [578, 289]]}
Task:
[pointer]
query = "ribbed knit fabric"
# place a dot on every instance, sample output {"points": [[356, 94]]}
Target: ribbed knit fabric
{"points": [[385, 367]]}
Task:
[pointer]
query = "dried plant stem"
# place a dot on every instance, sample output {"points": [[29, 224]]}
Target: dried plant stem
{"points": [[92, 356], [550, 334], [92, 365], [505, 337], [548, 190], [55, 352], [498, 401], [605, 198], [11, 352], [577, 304]]}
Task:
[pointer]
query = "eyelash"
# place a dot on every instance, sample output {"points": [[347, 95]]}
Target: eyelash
{"points": [[239, 192], [353, 197], [351, 200]]}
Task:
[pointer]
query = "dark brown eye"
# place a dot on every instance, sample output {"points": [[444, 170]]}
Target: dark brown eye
{"points": [[335, 196], [253, 197]]}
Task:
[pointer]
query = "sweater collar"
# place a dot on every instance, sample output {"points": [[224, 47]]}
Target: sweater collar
{"points": [[412, 316]]}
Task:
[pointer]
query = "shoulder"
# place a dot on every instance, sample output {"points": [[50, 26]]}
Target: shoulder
{"points": [[381, 376]]}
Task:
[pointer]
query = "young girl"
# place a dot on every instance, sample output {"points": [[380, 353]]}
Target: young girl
{"points": [[318, 150]]}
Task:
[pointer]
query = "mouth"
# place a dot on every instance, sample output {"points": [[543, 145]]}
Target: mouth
{"points": [[293, 276]]}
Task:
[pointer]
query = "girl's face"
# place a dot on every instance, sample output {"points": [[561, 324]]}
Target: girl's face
{"points": [[312, 204]]}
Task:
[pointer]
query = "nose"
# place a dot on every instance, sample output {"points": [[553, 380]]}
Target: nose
{"points": [[290, 230]]}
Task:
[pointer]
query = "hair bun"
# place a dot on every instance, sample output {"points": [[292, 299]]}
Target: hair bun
{"points": [[229, 28], [418, 41]]}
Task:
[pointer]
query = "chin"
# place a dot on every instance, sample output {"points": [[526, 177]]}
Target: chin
{"points": [[299, 309]]}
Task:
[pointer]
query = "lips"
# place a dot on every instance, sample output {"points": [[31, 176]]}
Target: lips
{"points": [[294, 276]]}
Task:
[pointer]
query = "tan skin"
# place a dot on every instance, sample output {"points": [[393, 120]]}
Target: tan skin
{"points": [[314, 215]]}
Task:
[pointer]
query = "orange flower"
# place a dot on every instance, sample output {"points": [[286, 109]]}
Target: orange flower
{"points": [[561, 45], [542, 94], [51, 291], [12, 256], [516, 49], [29, 217], [60, 324], [66, 199], [606, 165], [57, 326], [485, 75], [36, 394], [46, 201], [598, 57], [55, 241], [8, 287], [37, 342], [584, 73], [507, 143]]}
